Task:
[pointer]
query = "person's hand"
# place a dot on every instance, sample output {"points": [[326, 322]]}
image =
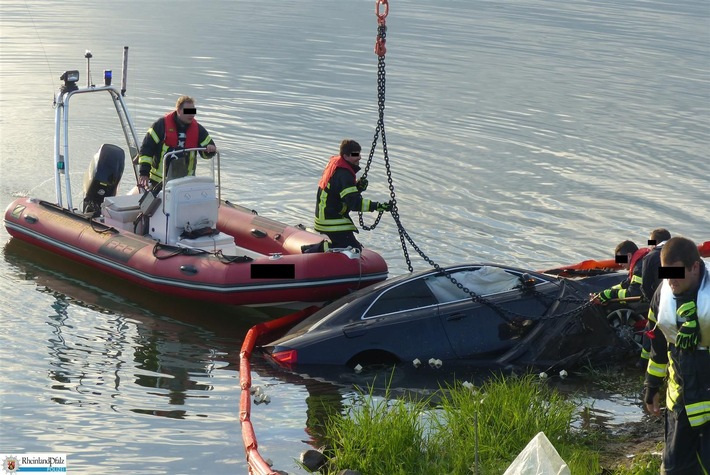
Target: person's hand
{"points": [[595, 300], [361, 184], [210, 148], [143, 182], [384, 206], [652, 400]]}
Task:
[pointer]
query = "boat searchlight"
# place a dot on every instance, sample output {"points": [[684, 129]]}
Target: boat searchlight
{"points": [[70, 79]]}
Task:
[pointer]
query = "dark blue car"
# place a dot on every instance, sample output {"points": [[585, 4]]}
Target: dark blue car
{"points": [[510, 316]]}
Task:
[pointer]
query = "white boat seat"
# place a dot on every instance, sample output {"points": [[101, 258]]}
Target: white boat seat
{"points": [[124, 209]]}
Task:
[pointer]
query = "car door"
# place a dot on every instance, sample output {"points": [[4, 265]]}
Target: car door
{"points": [[479, 331], [404, 321]]}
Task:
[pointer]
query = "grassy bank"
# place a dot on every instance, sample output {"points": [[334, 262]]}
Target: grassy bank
{"points": [[470, 430]]}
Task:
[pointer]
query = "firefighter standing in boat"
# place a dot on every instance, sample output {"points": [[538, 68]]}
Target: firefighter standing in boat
{"points": [[680, 354], [338, 194], [176, 130]]}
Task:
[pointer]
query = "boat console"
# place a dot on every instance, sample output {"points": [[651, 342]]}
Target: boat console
{"points": [[187, 215]]}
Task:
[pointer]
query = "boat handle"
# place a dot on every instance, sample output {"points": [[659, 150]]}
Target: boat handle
{"points": [[258, 233], [189, 270]]}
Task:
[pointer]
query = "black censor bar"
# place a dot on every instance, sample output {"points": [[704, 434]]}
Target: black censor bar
{"points": [[671, 272], [273, 271]]}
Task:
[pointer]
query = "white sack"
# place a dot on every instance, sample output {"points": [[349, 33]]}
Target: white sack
{"points": [[539, 457]]}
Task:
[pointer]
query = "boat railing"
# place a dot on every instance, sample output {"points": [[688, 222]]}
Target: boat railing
{"points": [[61, 123]]}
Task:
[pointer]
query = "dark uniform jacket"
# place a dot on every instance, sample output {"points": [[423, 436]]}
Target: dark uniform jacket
{"points": [[649, 272], [154, 147], [688, 371], [337, 196], [631, 286]]}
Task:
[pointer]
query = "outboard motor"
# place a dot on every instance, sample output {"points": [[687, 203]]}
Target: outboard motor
{"points": [[102, 177]]}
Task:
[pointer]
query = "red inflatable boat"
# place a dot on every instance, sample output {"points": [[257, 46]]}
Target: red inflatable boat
{"points": [[183, 239]]}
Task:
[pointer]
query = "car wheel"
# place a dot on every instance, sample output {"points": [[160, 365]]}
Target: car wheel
{"points": [[373, 358], [628, 324]]}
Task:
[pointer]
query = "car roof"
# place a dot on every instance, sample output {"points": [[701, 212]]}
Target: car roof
{"points": [[380, 287]]}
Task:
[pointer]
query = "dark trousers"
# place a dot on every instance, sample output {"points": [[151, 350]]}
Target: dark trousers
{"points": [[342, 239], [338, 240], [687, 449]]}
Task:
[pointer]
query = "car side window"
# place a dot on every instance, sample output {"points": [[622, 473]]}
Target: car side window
{"points": [[406, 296]]}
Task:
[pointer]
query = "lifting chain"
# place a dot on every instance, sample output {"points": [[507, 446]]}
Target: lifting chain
{"points": [[510, 317], [380, 51]]}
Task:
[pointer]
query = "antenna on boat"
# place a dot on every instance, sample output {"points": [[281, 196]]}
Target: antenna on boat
{"points": [[88, 57], [124, 71]]}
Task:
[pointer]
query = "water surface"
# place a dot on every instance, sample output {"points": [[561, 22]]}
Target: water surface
{"points": [[533, 133]]}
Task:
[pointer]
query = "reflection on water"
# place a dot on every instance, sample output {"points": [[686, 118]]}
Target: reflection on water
{"points": [[108, 359], [109, 363]]}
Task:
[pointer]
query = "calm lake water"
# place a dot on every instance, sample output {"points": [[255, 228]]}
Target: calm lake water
{"points": [[531, 133]]}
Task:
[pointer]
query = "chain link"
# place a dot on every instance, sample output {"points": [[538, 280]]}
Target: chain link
{"points": [[509, 316]]}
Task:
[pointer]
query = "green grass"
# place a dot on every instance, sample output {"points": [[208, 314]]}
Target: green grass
{"points": [[471, 430], [645, 464]]}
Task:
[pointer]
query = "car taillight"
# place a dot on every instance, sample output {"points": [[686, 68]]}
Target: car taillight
{"points": [[286, 358]]}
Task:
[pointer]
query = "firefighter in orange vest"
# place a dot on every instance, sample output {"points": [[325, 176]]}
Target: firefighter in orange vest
{"points": [[630, 257], [339, 193], [176, 130]]}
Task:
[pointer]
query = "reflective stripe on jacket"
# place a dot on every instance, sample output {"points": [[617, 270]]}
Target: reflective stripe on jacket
{"points": [[337, 196], [631, 286], [169, 128], [688, 371]]}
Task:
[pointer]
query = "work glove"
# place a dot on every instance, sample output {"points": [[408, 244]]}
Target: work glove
{"points": [[384, 206], [688, 335], [649, 393], [361, 184], [604, 296]]}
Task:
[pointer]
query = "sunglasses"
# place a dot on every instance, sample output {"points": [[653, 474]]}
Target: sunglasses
{"points": [[189, 110], [354, 154]]}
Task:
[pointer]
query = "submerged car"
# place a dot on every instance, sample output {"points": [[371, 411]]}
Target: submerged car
{"points": [[479, 313]]}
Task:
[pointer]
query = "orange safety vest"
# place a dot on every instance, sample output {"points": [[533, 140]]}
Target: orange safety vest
{"points": [[171, 133], [639, 254], [336, 161]]}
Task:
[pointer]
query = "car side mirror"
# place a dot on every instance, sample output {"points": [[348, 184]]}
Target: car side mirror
{"points": [[526, 281]]}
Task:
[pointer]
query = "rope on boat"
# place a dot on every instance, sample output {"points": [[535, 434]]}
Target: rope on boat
{"points": [[257, 464], [173, 251]]}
